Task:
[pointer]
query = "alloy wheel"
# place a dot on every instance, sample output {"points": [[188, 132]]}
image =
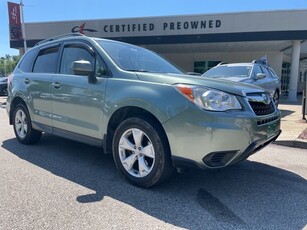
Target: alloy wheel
{"points": [[21, 123], [136, 153]]}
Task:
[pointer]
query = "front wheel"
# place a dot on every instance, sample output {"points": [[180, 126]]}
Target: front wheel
{"points": [[141, 152], [24, 132]]}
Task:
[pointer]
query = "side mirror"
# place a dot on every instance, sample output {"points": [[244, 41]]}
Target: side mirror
{"points": [[260, 76], [82, 67]]}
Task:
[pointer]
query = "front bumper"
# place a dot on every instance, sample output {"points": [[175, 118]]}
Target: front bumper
{"points": [[215, 140]]}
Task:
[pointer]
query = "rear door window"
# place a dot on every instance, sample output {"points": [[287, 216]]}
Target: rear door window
{"points": [[27, 61], [266, 72], [46, 61]]}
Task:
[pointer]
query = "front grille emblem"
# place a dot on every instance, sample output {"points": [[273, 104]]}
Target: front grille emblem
{"points": [[266, 99]]}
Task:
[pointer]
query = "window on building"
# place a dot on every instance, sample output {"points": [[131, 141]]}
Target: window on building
{"points": [[285, 78], [203, 66]]}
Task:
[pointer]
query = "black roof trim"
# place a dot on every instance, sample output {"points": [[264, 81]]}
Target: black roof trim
{"points": [[199, 38]]}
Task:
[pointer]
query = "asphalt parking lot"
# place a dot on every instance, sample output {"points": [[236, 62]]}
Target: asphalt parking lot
{"points": [[61, 184]]}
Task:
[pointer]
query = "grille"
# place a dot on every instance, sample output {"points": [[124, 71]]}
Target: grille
{"points": [[268, 120], [261, 108], [261, 103], [218, 159]]}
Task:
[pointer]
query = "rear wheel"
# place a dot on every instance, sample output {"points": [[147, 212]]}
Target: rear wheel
{"points": [[141, 153], [24, 132]]}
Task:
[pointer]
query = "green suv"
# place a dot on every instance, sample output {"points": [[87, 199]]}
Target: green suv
{"points": [[137, 106]]}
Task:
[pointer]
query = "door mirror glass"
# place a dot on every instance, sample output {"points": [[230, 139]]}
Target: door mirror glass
{"points": [[82, 67], [260, 76]]}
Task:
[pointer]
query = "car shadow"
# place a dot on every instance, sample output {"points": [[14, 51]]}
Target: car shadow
{"points": [[285, 113], [250, 195]]}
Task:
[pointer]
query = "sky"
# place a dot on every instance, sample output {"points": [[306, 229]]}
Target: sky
{"points": [[65, 10]]}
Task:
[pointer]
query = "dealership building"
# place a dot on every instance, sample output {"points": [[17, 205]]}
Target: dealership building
{"points": [[199, 42]]}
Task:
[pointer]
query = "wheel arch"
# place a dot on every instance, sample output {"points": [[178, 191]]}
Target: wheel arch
{"points": [[127, 112], [14, 103]]}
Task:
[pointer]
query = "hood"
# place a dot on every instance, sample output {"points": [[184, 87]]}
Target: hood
{"points": [[232, 87]]}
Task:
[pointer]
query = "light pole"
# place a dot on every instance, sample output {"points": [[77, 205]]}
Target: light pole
{"points": [[23, 27]]}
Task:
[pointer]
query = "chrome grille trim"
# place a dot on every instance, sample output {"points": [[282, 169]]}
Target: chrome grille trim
{"points": [[261, 103]]}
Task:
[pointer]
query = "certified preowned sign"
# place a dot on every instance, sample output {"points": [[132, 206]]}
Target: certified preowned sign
{"points": [[166, 26]]}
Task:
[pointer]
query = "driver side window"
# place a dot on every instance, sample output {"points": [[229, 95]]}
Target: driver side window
{"points": [[78, 52], [71, 54], [257, 70]]}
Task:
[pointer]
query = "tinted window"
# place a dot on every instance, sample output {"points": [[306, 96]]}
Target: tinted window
{"points": [[46, 61], [27, 61], [266, 72]]}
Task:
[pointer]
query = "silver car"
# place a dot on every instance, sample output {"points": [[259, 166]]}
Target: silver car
{"points": [[253, 73]]}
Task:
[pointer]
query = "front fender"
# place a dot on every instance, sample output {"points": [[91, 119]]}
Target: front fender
{"points": [[161, 100]]}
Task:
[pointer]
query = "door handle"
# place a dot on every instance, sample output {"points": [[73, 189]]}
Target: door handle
{"points": [[56, 85]]}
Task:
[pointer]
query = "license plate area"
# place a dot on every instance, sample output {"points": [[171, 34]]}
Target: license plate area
{"points": [[271, 129]]}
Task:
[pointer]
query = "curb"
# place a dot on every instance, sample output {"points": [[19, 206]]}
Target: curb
{"points": [[297, 143]]}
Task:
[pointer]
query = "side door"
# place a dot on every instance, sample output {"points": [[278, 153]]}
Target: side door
{"points": [[77, 104], [268, 80], [38, 82], [259, 81]]}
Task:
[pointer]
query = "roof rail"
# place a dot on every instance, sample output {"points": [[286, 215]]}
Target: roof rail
{"points": [[59, 37], [221, 63]]}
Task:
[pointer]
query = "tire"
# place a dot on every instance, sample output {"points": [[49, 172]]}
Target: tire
{"points": [[24, 132], [141, 152]]}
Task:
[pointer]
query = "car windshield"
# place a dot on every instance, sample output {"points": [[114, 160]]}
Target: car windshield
{"points": [[133, 58], [228, 71]]}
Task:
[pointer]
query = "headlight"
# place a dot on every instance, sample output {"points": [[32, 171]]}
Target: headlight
{"points": [[209, 99]]}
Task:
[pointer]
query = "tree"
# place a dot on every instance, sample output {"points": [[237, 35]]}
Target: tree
{"points": [[7, 64]]}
